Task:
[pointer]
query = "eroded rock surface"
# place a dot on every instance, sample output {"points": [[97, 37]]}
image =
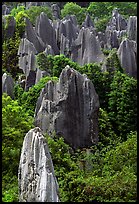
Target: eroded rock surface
{"points": [[37, 182], [26, 54], [86, 48], [70, 108], [8, 85], [127, 54]]}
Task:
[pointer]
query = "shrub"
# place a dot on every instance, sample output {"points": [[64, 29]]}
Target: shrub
{"points": [[29, 99], [34, 11], [123, 104], [16, 122], [71, 8], [54, 64], [9, 55]]}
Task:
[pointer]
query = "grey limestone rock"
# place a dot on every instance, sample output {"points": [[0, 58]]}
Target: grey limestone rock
{"points": [[46, 32], [36, 178], [48, 50], [64, 46], [5, 10], [8, 85], [112, 39], [117, 21], [70, 108], [40, 74], [86, 48], [127, 55], [56, 11], [102, 39], [68, 29], [132, 28], [30, 80], [32, 36], [88, 22], [27, 59]]}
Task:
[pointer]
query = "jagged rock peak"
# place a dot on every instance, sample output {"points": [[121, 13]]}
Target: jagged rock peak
{"points": [[8, 85], [127, 54], [70, 108], [37, 182]]}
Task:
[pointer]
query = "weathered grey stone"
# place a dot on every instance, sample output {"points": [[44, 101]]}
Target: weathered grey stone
{"points": [[117, 21], [112, 39], [70, 108], [132, 28], [56, 11], [32, 36], [5, 10], [46, 32], [30, 80], [26, 52], [102, 39], [68, 29], [88, 22], [48, 50], [29, 4], [40, 74], [86, 48], [64, 46], [11, 27], [36, 178], [127, 55], [8, 85]]}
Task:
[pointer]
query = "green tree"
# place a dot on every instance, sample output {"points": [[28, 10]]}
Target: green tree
{"points": [[9, 55], [71, 8], [123, 104], [16, 122]]}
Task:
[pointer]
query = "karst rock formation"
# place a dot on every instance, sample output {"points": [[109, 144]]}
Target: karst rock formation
{"points": [[36, 178], [70, 108]]}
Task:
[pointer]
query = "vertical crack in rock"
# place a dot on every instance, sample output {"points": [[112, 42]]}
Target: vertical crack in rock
{"points": [[70, 108], [37, 182]]}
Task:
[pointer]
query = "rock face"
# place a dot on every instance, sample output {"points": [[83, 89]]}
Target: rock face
{"points": [[30, 80], [37, 182], [32, 36], [132, 28], [88, 22], [117, 21], [127, 54], [70, 108], [86, 48], [26, 54], [8, 85], [56, 11], [46, 32]]}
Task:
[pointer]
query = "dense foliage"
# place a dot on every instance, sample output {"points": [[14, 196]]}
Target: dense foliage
{"points": [[32, 13], [16, 122], [106, 172], [100, 12], [72, 8], [9, 55]]}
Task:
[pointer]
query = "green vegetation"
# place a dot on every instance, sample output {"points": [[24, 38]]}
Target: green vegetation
{"points": [[104, 174], [28, 99], [71, 8], [16, 122], [32, 13], [9, 55], [103, 11]]}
